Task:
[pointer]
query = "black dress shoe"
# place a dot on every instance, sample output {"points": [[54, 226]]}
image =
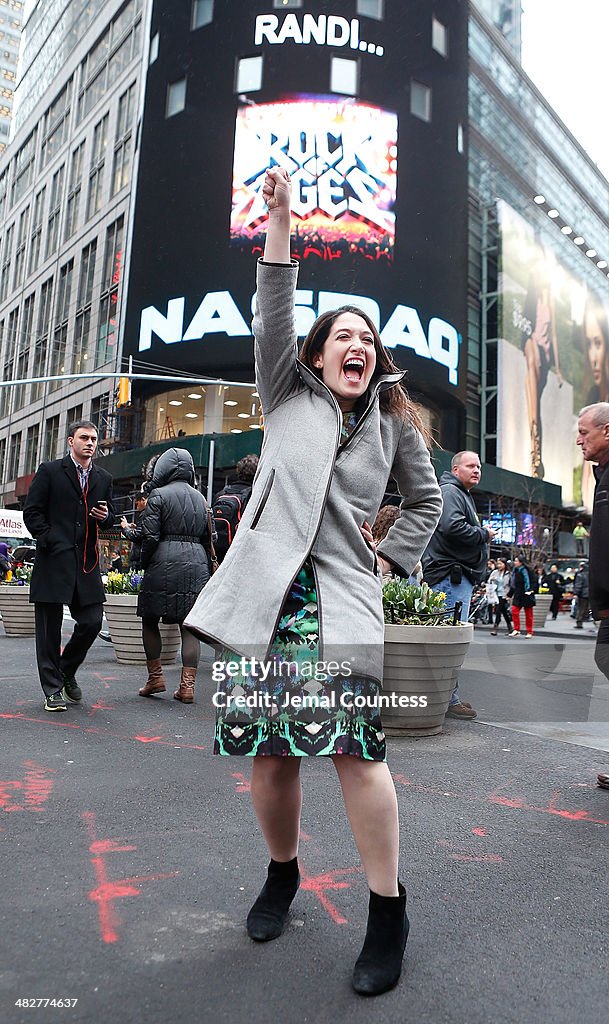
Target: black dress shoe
{"points": [[105, 637]]}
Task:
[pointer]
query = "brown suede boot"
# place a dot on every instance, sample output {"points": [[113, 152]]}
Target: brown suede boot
{"points": [[156, 681], [186, 692]]}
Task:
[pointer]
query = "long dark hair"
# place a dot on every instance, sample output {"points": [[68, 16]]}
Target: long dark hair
{"points": [[395, 399]]}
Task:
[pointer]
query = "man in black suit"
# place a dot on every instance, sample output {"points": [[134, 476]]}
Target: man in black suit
{"points": [[68, 500]]}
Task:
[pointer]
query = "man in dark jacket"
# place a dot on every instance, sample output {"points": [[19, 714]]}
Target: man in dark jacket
{"points": [[68, 501], [133, 532], [593, 439], [456, 556], [581, 591], [229, 504], [556, 585]]}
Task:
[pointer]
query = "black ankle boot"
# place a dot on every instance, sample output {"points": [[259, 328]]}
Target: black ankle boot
{"points": [[269, 913], [379, 964]]}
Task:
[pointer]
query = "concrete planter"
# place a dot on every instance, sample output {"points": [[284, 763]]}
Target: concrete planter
{"points": [[422, 661], [126, 632], [17, 612], [541, 609]]}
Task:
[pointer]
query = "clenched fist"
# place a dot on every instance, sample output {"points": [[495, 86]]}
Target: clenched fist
{"points": [[277, 189]]}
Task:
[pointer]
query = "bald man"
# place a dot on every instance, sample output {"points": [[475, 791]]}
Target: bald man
{"points": [[457, 554], [593, 439]]}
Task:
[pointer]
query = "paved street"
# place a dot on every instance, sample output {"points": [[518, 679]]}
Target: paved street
{"points": [[131, 856]]}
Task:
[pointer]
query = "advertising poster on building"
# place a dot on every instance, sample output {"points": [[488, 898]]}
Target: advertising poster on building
{"points": [[553, 358], [342, 158]]}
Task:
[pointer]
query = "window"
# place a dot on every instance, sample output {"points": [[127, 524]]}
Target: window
{"points": [[42, 338], [248, 77], [420, 100], [24, 168], [108, 307], [100, 408], [87, 273], [7, 256], [74, 188], [2, 453], [7, 370], [154, 49], [31, 448], [36, 239], [54, 211], [370, 8], [344, 76], [74, 414], [203, 12], [14, 456], [176, 98], [109, 57], [96, 173], [55, 124], [60, 333], [80, 352], [22, 349], [51, 437], [439, 37], [3, 187], [22, 233], [121, 170]]}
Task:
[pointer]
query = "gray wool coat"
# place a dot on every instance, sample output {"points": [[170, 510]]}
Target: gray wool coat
{"points": [[310, 497]]}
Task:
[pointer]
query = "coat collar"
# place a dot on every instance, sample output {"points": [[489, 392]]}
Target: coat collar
{"points": [[382, 383], [72, 474]]}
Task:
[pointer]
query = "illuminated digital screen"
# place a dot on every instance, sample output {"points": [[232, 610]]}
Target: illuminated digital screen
{"points": [[503, 526], [342, 159]]}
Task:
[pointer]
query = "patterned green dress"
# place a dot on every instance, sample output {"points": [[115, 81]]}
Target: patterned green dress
{"points": [[298, 711]]}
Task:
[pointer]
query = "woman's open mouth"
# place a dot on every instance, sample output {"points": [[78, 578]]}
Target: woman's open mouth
{"points": [[353, 369]]}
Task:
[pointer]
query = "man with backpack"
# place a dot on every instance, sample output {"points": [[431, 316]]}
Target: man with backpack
{"points": [[229, 504]]}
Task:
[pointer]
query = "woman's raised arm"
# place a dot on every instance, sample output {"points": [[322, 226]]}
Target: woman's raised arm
{"points": [[277, 193]]}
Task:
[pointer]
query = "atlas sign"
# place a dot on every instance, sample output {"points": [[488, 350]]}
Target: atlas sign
{"points": [[323, 30], [218, 313]]}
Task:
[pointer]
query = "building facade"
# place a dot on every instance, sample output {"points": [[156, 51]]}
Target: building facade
{"points": [[435, 186], [65, 189], [11, 23]]}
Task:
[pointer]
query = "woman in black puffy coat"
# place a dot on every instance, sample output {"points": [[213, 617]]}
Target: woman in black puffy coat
{"points": [[175, 545]]}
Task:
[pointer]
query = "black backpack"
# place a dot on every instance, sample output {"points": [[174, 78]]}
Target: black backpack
{"points": [[227, 511]]}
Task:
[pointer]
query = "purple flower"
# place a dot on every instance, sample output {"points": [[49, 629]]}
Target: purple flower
{"points": [[136, 580]]}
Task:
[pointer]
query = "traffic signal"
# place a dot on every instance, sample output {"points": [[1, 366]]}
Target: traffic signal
{"points": [[124, 392]]}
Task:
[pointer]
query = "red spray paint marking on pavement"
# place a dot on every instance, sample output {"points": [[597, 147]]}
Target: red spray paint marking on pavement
{"points": [[99, 706], [481, 858], [504, 801], [59, 720], [243, 784], [328, 881], [479, 831], [518, 803], [29, 793], [107, 892]]}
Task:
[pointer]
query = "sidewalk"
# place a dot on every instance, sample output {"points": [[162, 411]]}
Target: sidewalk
{"points": [[131, 857]]}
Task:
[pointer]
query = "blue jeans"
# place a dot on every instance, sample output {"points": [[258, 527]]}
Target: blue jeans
{"points": [[456, 592]]}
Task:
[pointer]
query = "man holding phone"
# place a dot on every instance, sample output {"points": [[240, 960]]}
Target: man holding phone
{"points": [[68, 501]]}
